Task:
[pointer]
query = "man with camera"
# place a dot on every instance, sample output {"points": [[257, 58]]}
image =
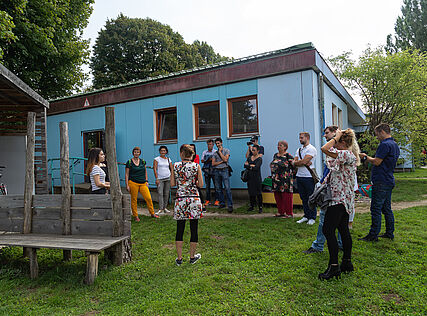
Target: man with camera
{"points": [[222, 177], [254, 141], [382, 183], [208, 172]]}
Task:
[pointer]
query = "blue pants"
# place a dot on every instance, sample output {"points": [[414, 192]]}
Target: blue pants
{"points": [[381, 203], [223, 179], [208, 179], [305, 189], [320, 238]]}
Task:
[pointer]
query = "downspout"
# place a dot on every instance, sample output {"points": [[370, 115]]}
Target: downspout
{"points": [[321, 103]]}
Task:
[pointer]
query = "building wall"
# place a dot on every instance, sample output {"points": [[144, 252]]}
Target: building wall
{"points": [[12, 156], [287, 105]]}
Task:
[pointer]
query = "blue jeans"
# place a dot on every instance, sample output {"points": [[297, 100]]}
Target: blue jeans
{"points": [[305, 189], [222, 178], [381, 203], [208, 179], [320, 238]]}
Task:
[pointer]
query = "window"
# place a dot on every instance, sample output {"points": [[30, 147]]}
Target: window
{"points": [[166, 125], [243, 115], [207, 119], [336, 116]]}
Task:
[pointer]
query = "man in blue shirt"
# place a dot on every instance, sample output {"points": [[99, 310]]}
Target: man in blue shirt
{"points": [[382, 183]]}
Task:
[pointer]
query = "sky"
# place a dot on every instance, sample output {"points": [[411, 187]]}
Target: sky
{"points": [[240, 28]]}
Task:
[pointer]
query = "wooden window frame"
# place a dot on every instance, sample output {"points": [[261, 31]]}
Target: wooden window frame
{"points": [[196, 119], [230, 115], [167, 140]]}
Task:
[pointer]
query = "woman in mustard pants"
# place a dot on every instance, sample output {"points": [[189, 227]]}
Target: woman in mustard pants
{"points": [[136, 181]]}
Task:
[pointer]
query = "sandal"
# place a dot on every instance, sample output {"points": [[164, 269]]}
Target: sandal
{"points": [[278, 215]]}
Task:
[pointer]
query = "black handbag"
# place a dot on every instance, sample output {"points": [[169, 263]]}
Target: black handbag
{"points": [[230, 170], [244, 175]]}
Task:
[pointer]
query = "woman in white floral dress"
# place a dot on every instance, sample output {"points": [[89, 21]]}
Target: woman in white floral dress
{"points": [[187, 176], [342, 154]]}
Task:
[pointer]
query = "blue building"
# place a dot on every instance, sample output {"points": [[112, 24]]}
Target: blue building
{"points": [[274, 95]]}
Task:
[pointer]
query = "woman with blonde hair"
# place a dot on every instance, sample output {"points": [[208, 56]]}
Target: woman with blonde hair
{"points": [[342, 159], [93, 170], [187, 176]]}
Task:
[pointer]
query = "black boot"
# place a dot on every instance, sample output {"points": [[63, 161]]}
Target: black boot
{"points": [[259, 198], [331, 271], [346, 266]]}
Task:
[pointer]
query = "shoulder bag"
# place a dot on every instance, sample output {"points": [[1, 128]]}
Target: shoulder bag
{"points": [[312, 171]]}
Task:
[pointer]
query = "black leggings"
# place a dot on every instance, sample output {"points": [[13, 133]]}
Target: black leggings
{"points": [[337, 217], [180, 226]]}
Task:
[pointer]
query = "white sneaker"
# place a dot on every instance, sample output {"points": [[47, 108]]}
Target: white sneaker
{"points": [[302, 220], [159, 212], [311, 222], [166, 210]]}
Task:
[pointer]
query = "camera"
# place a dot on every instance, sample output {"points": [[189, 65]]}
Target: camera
{"points": [[249, 143]]}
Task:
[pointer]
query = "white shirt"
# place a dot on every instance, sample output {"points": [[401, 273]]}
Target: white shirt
{"points": [[307, 150], [163, 170], [96, 170]]}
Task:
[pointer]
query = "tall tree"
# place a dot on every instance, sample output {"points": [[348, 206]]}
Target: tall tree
{"points": [[208, 53], [46, 49], [392, 88], [130, 49], [410, 27]]}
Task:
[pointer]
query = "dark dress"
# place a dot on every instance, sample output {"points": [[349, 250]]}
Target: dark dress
{"points": [[254, 176], [282, 173]]}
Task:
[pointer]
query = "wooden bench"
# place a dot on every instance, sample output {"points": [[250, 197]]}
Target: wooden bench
{"points": [[91, 221]]}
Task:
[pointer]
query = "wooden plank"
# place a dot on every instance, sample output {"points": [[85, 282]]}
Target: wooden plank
{"points": [[98, 228], [127, 228], [91, 267], [92, 214], [15, 212], [70, 242], [65, 182], [46, 213], [29, 175], [91, 201], [11, 201], [47, 226], [113, 172], [47, 200], [11, 224]]}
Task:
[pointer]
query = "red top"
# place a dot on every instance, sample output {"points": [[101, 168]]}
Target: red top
{"points": [[197, 159]]}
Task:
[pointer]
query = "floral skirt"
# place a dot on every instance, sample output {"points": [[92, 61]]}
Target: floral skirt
{"points": [[187, 208]]}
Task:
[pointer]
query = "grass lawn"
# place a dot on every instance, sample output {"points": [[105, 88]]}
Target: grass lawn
{"points": [[417, 173], [248, 266]]}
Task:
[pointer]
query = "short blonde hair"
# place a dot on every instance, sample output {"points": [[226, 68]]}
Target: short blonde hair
{"points": [[306, 134], [186, 151]]}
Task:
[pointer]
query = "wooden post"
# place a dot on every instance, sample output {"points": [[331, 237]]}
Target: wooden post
{"points": [[116, 193], [34, 266], [65, 183], [29, 175], [91, 267]]}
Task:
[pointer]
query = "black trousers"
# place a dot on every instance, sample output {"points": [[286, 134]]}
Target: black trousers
{"points": [[180, 227], [337, 217], [254, 198]]}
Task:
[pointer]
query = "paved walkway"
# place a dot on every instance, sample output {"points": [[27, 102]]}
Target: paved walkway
{"points": [[361, 207]]}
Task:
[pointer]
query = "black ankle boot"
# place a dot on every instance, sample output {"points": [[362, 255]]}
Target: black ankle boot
{"points": [[346, 266], [331, 271], [260, 210]]}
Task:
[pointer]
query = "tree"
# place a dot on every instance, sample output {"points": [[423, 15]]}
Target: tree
{"points": [[393, 91], [46, 49], [410, 28], [130, 49]]}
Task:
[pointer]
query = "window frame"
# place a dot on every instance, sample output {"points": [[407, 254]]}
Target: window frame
{"points": [[196, 107], [230, 115], [158, 125]]}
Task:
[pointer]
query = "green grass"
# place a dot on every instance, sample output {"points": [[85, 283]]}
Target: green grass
{"points": [[417, 173], [248, 266], [409, 190]]}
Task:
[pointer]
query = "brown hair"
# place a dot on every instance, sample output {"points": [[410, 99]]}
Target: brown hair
{"points": [[136, 148], [306, 134], [285, 143], [331, 128], [186, 151], [383, 127], [92, 159]]}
